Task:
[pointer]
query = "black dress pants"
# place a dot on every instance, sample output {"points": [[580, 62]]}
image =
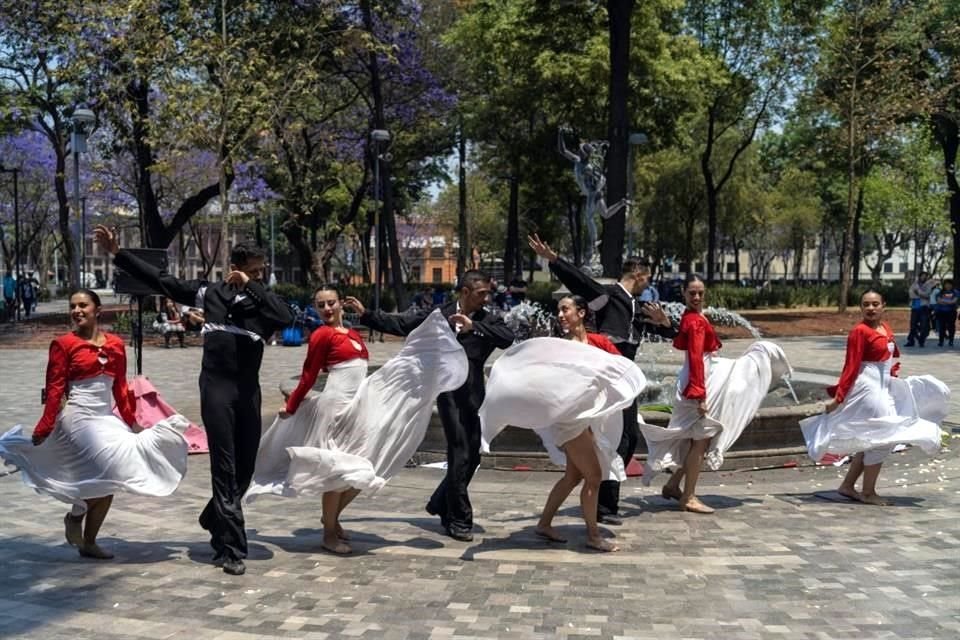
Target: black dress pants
{"points": [[230, 407], [608, 498], [461, 426]]}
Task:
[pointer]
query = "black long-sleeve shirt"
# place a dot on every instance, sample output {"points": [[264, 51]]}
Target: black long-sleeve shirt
{"points": [[489, 333], [619, 315], [252, 309]]}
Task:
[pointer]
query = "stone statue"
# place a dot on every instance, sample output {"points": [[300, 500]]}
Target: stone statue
{"points": [[588, 172]]}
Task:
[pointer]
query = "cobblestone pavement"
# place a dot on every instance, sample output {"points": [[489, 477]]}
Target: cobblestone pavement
{"points": [[775, 561]]}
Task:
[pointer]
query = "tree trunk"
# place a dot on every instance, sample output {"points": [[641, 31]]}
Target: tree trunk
{"points": [[510, 266], [946, 130], [619, 14], [848, 233], [390, 224], [63, 219], [463, 227], [857, 239]]}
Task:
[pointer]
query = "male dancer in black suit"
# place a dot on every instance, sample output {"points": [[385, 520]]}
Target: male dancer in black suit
{"points": [[480, 332], [623, 319], [239, 316]]}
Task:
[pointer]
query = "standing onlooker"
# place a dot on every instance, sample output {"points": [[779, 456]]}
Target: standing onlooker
{"points": [[946, 312], [920, 309], [28, 293], [10, 296]]}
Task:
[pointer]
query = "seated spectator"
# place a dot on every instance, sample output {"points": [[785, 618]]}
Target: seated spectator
{"points": [[171, 322], [192, 318]]}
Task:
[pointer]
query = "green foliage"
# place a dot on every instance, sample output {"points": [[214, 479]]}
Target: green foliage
{"points": [[789, 296]]}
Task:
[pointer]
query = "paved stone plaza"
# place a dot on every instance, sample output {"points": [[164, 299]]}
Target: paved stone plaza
{"points": [[775, 561]]}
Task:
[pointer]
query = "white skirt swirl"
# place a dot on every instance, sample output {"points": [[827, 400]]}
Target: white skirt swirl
{"points": [[880, 412], [360, 431], [559, 388], [735, 389], [92, 453]]}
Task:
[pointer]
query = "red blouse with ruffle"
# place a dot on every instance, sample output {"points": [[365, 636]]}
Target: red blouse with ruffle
{"points": [[697, 337], [864, 345], [327, 347], [601, 341], [73, 358]]}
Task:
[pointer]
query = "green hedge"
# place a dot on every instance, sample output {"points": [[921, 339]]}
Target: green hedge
{"points": [[788, 296]]}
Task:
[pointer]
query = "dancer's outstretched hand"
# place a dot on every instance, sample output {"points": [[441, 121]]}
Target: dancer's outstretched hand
{"points": [[354, 304], [656, 314], [106, 239], [541, 248], [702, 407], [831, 406], [283, 413]]}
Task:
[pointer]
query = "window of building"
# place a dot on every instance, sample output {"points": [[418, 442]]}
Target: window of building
{"points": [[888, 267], [903, 267], [437, 274], [731, 267], [437, 252], [698, 267], [415, 273]]}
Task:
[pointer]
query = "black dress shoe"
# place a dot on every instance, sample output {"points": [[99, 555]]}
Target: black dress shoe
{"points": [[234, 567], [219, 558], [606, 518], [460, 534]]}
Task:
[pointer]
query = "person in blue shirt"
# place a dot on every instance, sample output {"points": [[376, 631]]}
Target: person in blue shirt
{"points": [[946, 311], [10, 295]]}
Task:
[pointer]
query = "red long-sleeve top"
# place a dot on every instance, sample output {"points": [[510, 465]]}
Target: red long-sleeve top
{"points": [[327, 347], [864, 345], [73, 358], [601, 341], [697, 337]]}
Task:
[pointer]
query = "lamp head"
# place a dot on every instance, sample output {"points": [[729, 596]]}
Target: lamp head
{"points": [[380, 135], [83, 117]]}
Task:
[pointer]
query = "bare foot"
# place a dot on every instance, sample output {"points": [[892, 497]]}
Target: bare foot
{"points": [[73, 529], [876, 500], [549, 533], [93, 550], [340, 532], [336, 546], [670, 493], [599, 544], [853, 494], [694, 505]]}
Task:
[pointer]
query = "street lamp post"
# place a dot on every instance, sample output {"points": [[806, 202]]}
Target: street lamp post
{"points": [[81, 119], [16, 233], [379, 136]]}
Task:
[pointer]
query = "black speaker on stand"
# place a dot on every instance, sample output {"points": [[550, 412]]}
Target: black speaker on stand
{"points": [[128, 285]]}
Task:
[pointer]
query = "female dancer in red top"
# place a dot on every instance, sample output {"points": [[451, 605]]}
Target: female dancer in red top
{"points": [[581, 451], [871, 410], [697, 337], [360, 430], [716, 399], [81, 452]]}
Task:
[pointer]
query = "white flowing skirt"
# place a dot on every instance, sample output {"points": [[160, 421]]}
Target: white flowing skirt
{"points": [[559, 388], [880, 412], [92, 453], [361, 431], [735, 389]]}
